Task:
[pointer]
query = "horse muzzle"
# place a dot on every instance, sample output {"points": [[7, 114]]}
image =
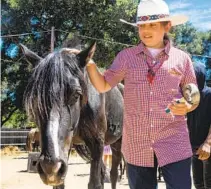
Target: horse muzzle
{"points": [[52, 172]]}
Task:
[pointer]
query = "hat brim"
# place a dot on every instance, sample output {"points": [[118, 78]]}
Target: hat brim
{"points": [[175, 20]]}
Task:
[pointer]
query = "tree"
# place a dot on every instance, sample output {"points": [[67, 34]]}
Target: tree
{"points": [[90, 20], [36, 17], [188, 38]]}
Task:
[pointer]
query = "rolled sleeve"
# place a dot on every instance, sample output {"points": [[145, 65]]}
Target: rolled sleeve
{"points": [[189, 73], [116, 72]]}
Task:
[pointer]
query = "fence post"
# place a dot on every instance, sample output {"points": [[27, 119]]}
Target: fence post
{"points": [[52, 38]]}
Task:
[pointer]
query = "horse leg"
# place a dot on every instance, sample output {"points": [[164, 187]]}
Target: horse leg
{"points": [[37, 148], [125, 166], [33, 147], [59, 187], [27, 143], [103, 172], [116, 159], [97, 172], [121, 169], [159, 174], [122, 165]]}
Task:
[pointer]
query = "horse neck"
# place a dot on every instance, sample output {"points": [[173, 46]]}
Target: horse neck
{"points": [[95, 99]]}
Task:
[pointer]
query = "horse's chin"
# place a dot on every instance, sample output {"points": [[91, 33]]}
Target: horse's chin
{"points": [[52, 179]]}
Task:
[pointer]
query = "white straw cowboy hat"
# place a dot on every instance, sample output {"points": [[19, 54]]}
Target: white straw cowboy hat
{"points": [[150, 11]]}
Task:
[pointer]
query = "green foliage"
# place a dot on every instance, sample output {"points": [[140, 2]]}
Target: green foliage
{"points": [[188, 38], [98, 19], [14, 3], [16, 120], [90, 20]]}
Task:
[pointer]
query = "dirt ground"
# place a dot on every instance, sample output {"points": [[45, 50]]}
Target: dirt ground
{"points": [[14, 174]]}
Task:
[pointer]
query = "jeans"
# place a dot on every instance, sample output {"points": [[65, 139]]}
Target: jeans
{"points": [[201, 173], [176, 175]]}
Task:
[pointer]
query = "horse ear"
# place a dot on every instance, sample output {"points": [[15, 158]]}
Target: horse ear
{"points": [[87, 54], [32, 57]]}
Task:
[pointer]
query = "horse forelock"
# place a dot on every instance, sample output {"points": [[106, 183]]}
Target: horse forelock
{"points": [[52, 83]]}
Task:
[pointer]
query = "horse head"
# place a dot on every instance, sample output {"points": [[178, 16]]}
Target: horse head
{"points": [[53, 98]]}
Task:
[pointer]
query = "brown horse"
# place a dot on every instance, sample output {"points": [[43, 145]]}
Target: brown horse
{"points": [[33, 140]]}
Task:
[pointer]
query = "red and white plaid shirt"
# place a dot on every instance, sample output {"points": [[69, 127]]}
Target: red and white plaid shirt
{"points": [[148, 129]]}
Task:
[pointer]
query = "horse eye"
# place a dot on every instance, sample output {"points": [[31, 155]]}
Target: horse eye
{"points": [[74, 97]]}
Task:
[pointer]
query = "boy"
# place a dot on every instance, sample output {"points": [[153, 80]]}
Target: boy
{"points": [[154, 74]]}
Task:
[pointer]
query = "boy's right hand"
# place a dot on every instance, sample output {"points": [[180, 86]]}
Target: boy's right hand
{"points": [[76, 51]]}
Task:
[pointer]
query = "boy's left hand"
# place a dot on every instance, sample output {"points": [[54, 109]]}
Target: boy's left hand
{"points": [[204, 151], [180, 108]]}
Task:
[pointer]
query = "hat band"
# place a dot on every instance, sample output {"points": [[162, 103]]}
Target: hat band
{"points": [[151, 17]]}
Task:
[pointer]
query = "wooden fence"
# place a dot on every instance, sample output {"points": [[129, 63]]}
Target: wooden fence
{"points": [[13, 137]]}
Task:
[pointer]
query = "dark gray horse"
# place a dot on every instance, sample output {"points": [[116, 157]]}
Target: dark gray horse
{"points": [[69, 111]]}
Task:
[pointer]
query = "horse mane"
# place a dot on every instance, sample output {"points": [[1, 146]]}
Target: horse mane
{"points": [[51, 84]]}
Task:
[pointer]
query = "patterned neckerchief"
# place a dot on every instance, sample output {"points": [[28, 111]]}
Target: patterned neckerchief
{"points": [[151, 68]]}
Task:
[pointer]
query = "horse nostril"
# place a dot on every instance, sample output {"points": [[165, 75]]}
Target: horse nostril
{"points": [[50, 167], [57, 166]]}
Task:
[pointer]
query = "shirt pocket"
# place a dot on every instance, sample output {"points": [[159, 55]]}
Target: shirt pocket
{"points": [[169, 87], [170, 83], [173, 78], [173, 81]]}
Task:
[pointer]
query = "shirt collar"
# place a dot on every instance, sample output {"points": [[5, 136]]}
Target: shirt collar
{"points": [[142, 49]]}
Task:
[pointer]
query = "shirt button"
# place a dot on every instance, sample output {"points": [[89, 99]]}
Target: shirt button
{"points": [[152, 125], [153, 141], [151, 93], [151, 148], [150, 109], [153, 61]]}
